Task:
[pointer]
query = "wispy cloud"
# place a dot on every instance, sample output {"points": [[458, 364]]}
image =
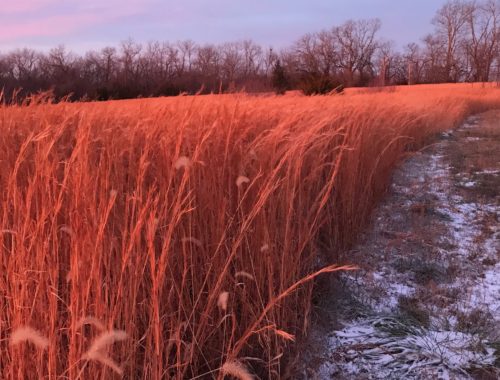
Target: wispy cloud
{"points": [[22, 6], [47, 26], [25, 19], [96, 23]]}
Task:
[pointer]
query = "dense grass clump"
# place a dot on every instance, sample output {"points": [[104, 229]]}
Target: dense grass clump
{"points": [[176, 238]]}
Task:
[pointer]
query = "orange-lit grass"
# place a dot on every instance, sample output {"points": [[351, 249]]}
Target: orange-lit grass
{"points": [[145, 214]]}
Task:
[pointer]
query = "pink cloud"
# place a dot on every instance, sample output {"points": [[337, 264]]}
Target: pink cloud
{"points": [[80, 15], [49, 26], [21, 6]]}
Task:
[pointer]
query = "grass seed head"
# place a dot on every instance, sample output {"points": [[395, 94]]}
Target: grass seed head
{"points": [[192, 240], [222, 301], [106, 339], [100, 343], [182, 162], [91, 321], [285, 335], [245, 275], [236, 369], [28, 334], [241, 180]]}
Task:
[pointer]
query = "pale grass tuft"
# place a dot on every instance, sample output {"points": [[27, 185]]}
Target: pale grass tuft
{"points": [[108, 362], [96, 350], [245, 275], [253, 154], [236, 369], [105, 339], [192, 240], [113, 193], [28, 334], [182, 162], [88, 320], [264, 248], [241, 180], [222, 301], [67, 230], [8, 232]]}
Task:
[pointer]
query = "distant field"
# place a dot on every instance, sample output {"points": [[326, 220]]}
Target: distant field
{"points": [[173, 237]]}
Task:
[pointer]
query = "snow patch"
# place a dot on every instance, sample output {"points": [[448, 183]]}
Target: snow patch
{"points": [[391, 348]]}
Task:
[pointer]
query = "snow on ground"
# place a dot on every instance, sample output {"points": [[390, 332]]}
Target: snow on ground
{"points": [[430, 309], [388, 348], [489, 172]]}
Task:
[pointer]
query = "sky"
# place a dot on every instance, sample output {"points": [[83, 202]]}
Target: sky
{"points": [[83, 25]]}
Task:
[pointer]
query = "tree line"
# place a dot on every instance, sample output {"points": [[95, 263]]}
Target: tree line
{"points": [[463, 47]]}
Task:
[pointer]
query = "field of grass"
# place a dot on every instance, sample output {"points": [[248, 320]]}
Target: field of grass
{"points": [[177, 237]]}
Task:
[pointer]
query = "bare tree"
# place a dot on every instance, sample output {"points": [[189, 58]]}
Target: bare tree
{"points": [[208, 66], [357, 44], [385, 57], [252, 58], [130, 51], [435, 60], [305, 54], [450, 22], [23, 64], [482, 41], [268, 62], [415, 63], [186, 54], [327, 52], [465, 46], [232, 62]]}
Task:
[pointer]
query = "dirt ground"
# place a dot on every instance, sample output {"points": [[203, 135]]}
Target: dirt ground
{"points": [[426, 302]]}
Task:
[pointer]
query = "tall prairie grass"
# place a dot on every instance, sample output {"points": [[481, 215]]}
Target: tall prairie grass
{"points": [[176, 238]]}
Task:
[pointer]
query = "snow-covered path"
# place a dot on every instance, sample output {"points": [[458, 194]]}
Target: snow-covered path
{"points": [[426, 304]]}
